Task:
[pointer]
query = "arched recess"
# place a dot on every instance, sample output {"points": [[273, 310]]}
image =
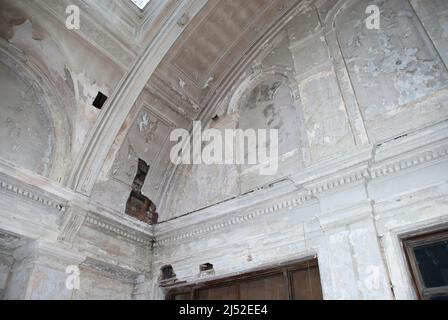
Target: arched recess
{"points": [[285, 113], [338, 7], [37, 130], [198, 186]]}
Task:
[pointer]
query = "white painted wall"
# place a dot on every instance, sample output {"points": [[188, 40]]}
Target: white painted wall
{"points": [[371, 163]]}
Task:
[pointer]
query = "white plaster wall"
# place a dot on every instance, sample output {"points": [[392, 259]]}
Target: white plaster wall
{"points": [[357, 244], [352, 223], [372, 166], [96, 287], [264, 99], [26, 126], [353, 87], [43, 282], [75, 70], [18, 282], [397, 72]]}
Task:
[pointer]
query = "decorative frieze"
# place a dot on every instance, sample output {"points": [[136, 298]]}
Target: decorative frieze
{"points": [[312, 190], [309, 192], [111, 271], [287, 204], [31, 196], [343, 180], [409, 162], [109, 227]]}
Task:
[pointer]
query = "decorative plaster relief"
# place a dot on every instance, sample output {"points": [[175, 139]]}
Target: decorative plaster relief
{"points": [[29, 195], [145, 140], [391, 68]]}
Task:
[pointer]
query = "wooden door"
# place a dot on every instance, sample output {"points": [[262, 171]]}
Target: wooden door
{"points": [[299, 281]]}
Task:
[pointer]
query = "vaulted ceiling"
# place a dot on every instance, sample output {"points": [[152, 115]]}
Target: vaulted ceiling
{"points": [[210, 47]]}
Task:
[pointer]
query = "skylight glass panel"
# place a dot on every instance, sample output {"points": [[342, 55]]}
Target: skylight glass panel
{"points": [[140, 3]]}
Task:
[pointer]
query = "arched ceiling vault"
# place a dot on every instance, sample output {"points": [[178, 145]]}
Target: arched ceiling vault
{"points": [[196, 46], [209, 48]]}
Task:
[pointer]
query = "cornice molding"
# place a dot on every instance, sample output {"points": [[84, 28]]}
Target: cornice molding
{"points": [[48, 253], [416, 151], [422, 158], [112, 271], [74, 210], [288, 204], [357, 167], [103, 225], [29, 194]]}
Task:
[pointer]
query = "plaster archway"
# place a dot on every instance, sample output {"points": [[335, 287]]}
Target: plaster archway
{"points": [[37, 106]]}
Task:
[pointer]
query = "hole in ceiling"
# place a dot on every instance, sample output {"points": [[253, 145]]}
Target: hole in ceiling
{"points": [[141, 4], [99, 100]]}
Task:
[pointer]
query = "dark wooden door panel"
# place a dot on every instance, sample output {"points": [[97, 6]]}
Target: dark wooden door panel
{"points": [[306, 284], [299, 281], [182, 296], [269, 288], [229, 292]]}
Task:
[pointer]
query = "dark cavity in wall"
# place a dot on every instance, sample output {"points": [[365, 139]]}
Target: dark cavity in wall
{"points": [[138, 205], [205, 267], [167, 272], [100, 100]]}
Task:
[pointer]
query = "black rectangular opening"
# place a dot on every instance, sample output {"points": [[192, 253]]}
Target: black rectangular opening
{"points": [[206, 267], [99, 100]]}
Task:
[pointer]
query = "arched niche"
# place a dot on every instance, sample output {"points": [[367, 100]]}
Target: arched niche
{"points": [[33, 125], [268, 99]]}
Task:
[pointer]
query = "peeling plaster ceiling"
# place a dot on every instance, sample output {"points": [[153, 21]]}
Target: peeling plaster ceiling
{"points": [[210, 47]]}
